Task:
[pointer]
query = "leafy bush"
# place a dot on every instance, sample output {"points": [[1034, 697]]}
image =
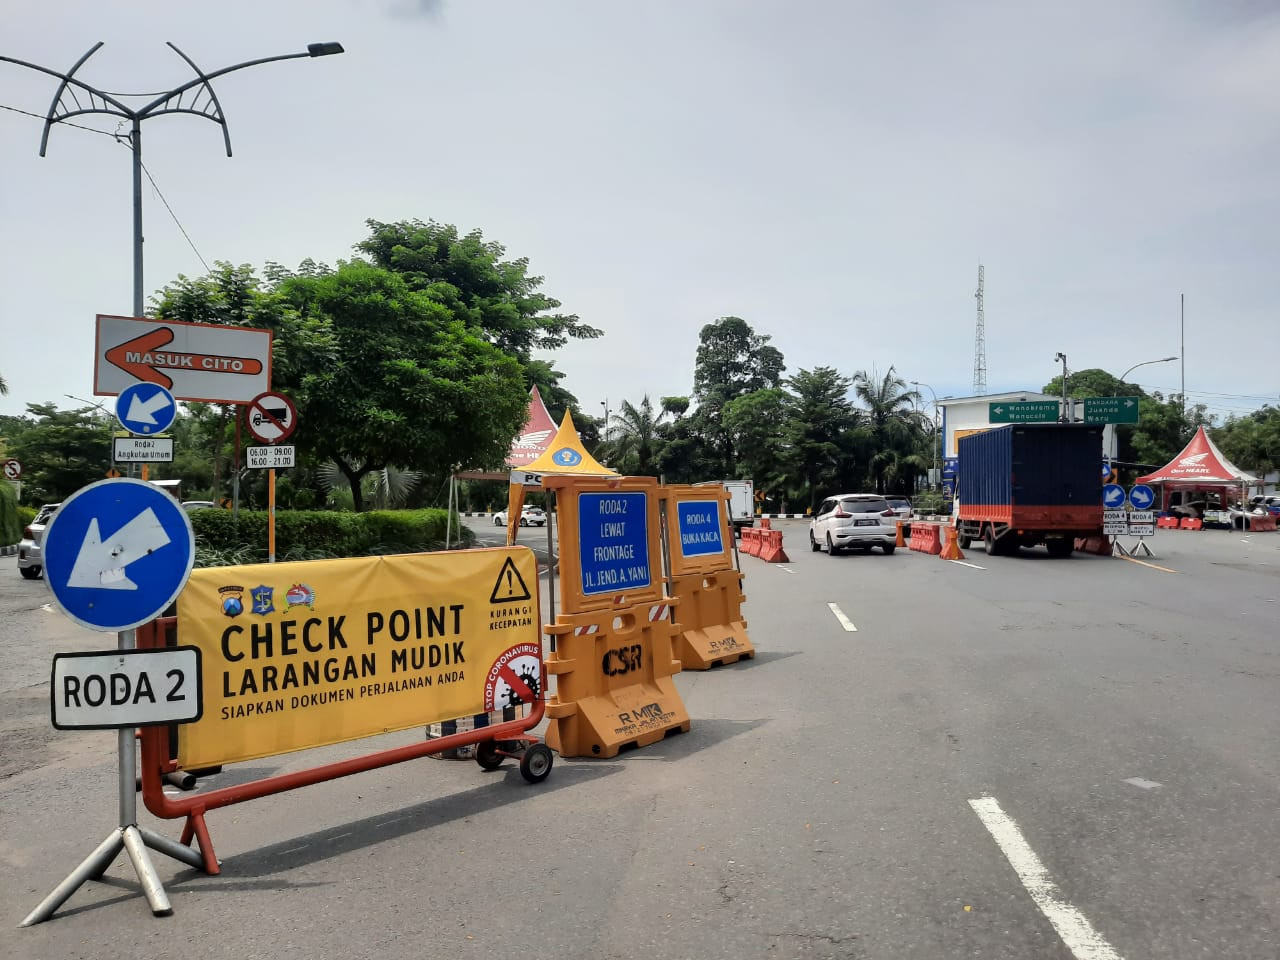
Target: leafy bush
{"points": [[223, 539]]}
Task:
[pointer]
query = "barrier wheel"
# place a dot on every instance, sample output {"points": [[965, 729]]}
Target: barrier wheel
{"points": [[487, 755], [535, 763]]}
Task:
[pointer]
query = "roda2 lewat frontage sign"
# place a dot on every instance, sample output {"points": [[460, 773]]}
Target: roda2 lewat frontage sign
{"points": [[300, 655]]}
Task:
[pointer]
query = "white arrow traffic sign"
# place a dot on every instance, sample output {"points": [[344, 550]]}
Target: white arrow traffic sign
{"points": [[145, 410], [102, 565]]}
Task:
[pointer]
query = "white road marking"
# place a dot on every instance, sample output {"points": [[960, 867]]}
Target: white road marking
{"points": [[1073, 926], [1144, 784], [844, 621], [784, 568], [964, 564]]}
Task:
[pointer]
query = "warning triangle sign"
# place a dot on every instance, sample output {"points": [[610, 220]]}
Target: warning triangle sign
{"points": [[510, 586]]}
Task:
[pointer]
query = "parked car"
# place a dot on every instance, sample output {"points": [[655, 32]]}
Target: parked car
{"points": [[30, 564], [529, 517], [192, 505], [1268, 502], [900, 506], [862, 520]]}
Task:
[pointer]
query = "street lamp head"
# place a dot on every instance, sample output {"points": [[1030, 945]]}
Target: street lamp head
{"points": [[324, 49]]}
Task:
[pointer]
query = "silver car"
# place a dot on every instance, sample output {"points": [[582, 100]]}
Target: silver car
{"points": [[862, 520], [30, 564]]}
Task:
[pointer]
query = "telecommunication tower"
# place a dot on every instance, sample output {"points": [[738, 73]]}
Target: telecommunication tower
{"points": [[980, 346]]}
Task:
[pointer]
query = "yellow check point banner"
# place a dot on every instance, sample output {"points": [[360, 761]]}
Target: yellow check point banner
{"points": [[300, 655]]}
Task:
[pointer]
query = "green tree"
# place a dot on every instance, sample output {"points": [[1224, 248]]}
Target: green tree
{"points": [[819, 425], [468, 275], [732, 360], [892, 425], [410, 385], [753, 422], [634, 445], [62, 451]]}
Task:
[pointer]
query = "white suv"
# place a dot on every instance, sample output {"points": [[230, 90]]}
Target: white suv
{"points": [[862, 520], [30, 554]]}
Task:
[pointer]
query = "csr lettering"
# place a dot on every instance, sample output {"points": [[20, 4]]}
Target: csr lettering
{"points": [[623, 660]]}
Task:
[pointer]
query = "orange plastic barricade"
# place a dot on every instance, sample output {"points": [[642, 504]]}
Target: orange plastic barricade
{"points": [[750, 541], [1191, 523], [1260, 524], [952, 549], [1167, 523], [702, 578], [614, 686], [1098, 544], [929, 542], [305, 654], [611, 649], [771, 547]]}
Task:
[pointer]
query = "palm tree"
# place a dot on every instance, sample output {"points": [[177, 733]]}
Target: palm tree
{"points": [[634, 443], [4, 388], [889, 419]]}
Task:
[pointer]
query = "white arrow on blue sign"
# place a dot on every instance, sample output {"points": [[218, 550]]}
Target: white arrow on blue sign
{"points": [[146, 409], [1141, 496], [117, 553], [1113, 496]]}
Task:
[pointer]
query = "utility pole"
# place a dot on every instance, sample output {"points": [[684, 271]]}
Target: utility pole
{"points": [[1066, 413], [917, 383], [980, 345]]}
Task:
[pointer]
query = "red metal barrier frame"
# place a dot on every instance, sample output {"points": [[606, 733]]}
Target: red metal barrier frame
{"points": [[156, 761]]}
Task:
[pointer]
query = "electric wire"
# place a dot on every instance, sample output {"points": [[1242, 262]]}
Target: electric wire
{"points": [[65, 123]]}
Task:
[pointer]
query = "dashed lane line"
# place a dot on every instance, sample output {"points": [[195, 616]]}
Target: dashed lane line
{"points": [[1084, 942], [844, 621], [966, 564], [784, 568]]}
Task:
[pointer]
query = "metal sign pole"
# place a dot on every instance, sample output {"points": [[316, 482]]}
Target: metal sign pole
{"points": [[271, 515], [126, 836]]}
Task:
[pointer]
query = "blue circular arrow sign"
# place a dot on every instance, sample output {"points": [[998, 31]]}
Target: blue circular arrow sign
{"points": [[1112, 496], [146, 409], [1141, 496], [117, 553]]}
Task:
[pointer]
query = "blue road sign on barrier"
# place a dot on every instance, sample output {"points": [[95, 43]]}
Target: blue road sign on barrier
{"points": [[117, 553], [613, 542], [1106, 469], [700, 531], [146, 409], [1141, 496], [1112, 496]]}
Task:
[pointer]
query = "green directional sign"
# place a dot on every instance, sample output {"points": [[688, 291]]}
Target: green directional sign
{"points": [[1026, 411], [1111, 410]]}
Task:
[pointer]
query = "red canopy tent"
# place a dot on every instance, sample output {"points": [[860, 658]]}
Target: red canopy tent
{"points": [[1200, 466]]}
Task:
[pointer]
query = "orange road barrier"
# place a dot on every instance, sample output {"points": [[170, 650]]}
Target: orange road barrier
{"points": [[701, 576], [929, 542], [712, 629], [614, 686], [1097, 544], [952, 549], [1167, 523], [751, 541], [1259, 524], [901, 542], [771, 547], [1191, 523]]}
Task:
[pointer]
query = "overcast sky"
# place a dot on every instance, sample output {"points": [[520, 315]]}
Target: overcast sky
{"points": [[833, 172]]}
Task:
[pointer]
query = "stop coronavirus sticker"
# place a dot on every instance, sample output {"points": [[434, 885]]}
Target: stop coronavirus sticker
{"points": [[515, 677]]}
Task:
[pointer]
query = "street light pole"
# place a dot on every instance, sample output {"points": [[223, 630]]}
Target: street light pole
{"points": [[128, 836], [1136, 366], [605, 403], [99, 101], [917, 383]]}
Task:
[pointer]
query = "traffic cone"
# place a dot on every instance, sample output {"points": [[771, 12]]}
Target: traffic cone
{"points": [[901, 542]]}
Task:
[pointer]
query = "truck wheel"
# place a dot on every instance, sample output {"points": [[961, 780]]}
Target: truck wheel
{"points": [[1060, 548], [965, 541], [991, 542]]}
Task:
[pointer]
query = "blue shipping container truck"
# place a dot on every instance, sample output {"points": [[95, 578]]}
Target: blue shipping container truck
{"points": [[1030, 483]]}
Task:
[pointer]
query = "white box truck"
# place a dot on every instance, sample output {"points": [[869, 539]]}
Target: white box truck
{"points": [[742, 502]]}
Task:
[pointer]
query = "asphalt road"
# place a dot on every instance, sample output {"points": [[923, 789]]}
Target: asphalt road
{"points": [[848, 793]]}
